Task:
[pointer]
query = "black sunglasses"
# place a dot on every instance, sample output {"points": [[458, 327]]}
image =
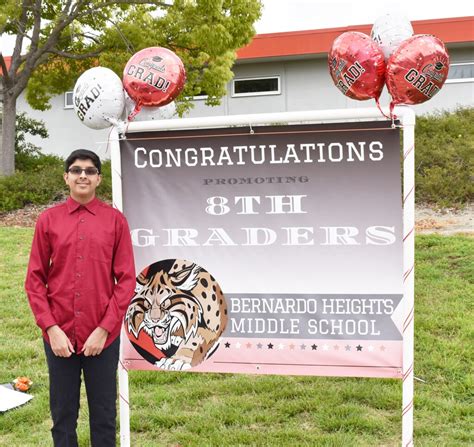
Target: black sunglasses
{"points": [[76, 170]]}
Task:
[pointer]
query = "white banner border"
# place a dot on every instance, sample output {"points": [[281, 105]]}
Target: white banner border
{"points": [[407, 118]]}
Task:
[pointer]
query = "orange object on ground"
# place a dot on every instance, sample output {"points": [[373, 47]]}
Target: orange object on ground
{"points": [[22, 383]]}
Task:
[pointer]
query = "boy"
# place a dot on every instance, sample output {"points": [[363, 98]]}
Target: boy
{"points": [[81, 277]]}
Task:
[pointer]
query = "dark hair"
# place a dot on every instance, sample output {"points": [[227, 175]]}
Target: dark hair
{"points": [[82, 154]]}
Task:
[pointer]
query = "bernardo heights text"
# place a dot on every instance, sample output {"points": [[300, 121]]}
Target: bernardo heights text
{"points": [[259, 154]]}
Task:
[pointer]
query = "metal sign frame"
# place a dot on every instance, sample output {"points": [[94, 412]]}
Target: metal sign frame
{"points": [[407, 119]]}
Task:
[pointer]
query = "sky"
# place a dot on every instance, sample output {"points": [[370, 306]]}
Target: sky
{"points": [[295, 15]]}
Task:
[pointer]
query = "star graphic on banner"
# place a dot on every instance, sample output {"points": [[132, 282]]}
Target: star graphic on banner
{"points": [[270, 346], [249, 345], [314, 347], [382, 348], [370, 348], [281, 346], [348, 348], [303, 347], [359, 347], [292, 346], [259, 346], [325, 347], [238, 345], [227, 345], [336, 348]]}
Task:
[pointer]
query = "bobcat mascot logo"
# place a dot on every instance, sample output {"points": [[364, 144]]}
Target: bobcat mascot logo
{"points": [[177, 314]]}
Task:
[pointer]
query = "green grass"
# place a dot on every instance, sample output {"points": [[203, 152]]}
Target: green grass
{"points": [[170, 409]]}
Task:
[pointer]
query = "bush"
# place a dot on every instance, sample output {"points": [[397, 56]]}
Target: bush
{"points": [[104, 191], [38, 178], [43, 183], [35, 187], [444, 150], [444, 165], [27, 153]]}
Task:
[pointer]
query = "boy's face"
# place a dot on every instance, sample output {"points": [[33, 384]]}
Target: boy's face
{"points": [[81, 185]]}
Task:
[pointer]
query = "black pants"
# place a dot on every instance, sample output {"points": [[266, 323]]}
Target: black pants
{"points": [[101, 388]]}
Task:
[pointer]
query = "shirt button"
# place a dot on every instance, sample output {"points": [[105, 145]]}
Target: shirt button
{"points": [[77, 313], [82, 221], [81, 237], [78, 275], [80, 257], [77, 294]]}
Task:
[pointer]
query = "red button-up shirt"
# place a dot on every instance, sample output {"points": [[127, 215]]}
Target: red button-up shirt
{"points": [[81, 273]]}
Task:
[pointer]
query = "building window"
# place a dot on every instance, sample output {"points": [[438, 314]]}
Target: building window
{"points": [[256, 86], [68, 101], [461, 72]]}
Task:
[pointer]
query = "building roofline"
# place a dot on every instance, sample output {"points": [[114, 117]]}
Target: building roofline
{"points": [[319, 41]]}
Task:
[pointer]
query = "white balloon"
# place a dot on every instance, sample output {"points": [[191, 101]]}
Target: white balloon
{"points": [[98, 98], [389, 31], [168, 111], [156, 113], [149, 113]]}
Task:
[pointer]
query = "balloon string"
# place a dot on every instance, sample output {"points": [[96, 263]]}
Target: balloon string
{"points": [[393, 117], [108, 141], [135, 111], [381, 111], [122, 129]]}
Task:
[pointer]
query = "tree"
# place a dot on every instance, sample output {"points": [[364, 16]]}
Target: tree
{"points": [[66, 37]]}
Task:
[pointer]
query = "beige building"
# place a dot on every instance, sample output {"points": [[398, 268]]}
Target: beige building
{"points": [[282, 72]]}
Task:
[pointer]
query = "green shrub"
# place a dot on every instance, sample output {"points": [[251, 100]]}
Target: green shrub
{"points": [[444, 163], [104, 191], [38, 178], [26, 153], [35, 187], [43, 183]]}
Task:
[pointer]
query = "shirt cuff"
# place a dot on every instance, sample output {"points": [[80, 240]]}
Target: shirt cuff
{"points": [[108, 324], [46, 321]]}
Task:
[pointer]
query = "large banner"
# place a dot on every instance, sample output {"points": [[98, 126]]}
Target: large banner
{"points": [[274, 250]]}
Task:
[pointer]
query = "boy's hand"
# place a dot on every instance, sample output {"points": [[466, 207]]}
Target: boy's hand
{"points": [[59, 341], [95, 342]]}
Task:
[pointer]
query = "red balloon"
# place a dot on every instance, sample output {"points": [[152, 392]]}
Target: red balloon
{"points": [[153, 77], [357, 66], [417, 69]]}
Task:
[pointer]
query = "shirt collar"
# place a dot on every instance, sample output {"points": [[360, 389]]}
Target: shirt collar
{"points": [[72, 205]]}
